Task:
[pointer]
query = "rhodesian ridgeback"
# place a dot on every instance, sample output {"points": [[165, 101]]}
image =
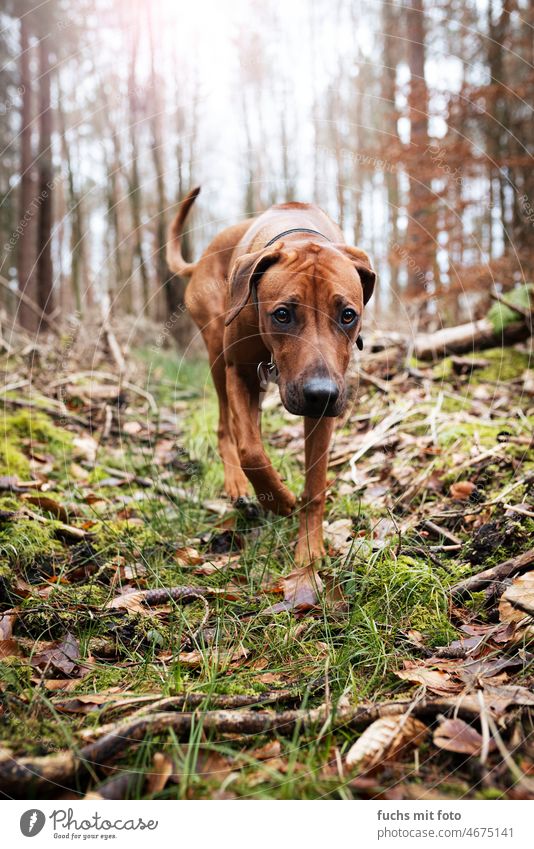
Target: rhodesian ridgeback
{"points": [[278, 295]]}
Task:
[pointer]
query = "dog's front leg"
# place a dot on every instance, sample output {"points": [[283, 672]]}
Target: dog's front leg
{"points": [[243, 395], [317, 435]]}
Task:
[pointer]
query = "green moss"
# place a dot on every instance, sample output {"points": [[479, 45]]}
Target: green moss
{"points": [[501, 316], [458, 433], [443, 370], [28, 431], [13, 463], [505, 364], [37, 427], [26, 543]]}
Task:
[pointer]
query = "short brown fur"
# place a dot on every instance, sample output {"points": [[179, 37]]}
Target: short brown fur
{"points": [[316, 278]]}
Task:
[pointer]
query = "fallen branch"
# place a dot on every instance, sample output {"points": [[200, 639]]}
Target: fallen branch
{"points": [[63, 768], [473, 336], [488, 579]]}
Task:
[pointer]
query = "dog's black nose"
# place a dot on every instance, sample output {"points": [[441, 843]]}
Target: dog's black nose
{"points": [[320, 392]]}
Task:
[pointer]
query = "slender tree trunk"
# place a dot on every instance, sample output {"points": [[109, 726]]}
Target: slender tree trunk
{"points": [[45, 272], [26, 243], [420, 232], [391, 142], [77, 251], [135, 182]]}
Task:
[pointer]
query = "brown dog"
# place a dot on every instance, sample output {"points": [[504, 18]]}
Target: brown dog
{"points": [[281, 292]]}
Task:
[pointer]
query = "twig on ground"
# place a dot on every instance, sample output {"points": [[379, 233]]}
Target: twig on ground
{"points": [[64, 767], [486, 580], [443, 532]]}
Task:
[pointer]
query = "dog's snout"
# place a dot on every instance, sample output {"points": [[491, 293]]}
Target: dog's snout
{"points": [[320, 392]]}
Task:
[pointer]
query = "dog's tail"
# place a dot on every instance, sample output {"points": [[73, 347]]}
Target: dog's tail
{"points": [[175, 260]]}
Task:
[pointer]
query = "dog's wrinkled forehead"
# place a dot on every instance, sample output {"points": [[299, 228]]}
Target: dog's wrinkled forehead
{"points": [[312, 272]]}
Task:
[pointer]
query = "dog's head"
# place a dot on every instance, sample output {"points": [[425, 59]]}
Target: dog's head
{"points": [[310, 300]]}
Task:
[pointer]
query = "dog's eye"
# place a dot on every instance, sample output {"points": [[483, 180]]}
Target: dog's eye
{"points": [[348, 316], [282, 315]]}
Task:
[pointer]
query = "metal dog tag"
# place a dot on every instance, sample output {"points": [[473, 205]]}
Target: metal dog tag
{"points": [[267, 373]]}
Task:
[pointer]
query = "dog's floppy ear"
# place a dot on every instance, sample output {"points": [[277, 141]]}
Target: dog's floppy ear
{"points": [[245, 274], [363, 266]]}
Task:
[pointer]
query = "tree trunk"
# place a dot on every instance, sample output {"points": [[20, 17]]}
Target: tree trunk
{"points": [[26, 243], [45, 273], [420, 232], [135, 183]]}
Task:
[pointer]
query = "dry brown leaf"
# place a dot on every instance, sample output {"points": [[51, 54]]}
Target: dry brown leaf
{"points": [[187, 557], [7, 620], [501, 696], [194, 659], [85, 448], [521, 592], [301, 589], [9, 648], [455, 735], [437, 680], [61, 657], [340, 534], [98, 701], [65, 684], [384, 739], [272, 749], [48, 504], [130, 600], [462, 490], [162, 769]]}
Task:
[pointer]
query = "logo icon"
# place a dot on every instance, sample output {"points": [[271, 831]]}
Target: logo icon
{"points": [[32, 822]]}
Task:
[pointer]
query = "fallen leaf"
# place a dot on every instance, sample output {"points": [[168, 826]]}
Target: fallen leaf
{"points": [[518, 600], [437, 680], [462, 490], [132, 428], [384, 739], [61, 657], [272, 749], [196, 658], [85, 448], [455, 735], [7, 620], [9, 648], [54, 684], [162, 769], [501, 696], [48, 504], [301, 589], [340, 534], [113, 698], [187, 557]]}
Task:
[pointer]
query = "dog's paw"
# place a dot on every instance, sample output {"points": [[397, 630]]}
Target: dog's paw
{"points": [[236, 484]]}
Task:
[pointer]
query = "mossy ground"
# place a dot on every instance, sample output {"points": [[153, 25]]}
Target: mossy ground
{"points": [[377, 594]]}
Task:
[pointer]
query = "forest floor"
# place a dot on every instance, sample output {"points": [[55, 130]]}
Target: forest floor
{"points": [[145, 651]]}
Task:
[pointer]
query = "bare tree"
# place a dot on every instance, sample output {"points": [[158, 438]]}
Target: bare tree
{"points": [[45, 272], [26, 244]]}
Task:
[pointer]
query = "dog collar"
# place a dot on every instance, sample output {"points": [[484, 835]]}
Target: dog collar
{"points": [[296, 230]]}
